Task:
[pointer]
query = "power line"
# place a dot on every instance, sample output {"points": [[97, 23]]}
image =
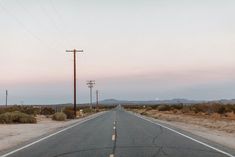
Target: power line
{"points": [[60, 18], [24, 26], [54, 23]]}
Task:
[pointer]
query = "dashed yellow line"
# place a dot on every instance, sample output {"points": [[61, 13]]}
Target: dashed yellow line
{"points": [[113, 137]]}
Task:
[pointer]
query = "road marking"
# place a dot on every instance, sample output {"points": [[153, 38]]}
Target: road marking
{"points": [[114, 128], [44, 138], [111, 155], [193, 139], [113, 137]]}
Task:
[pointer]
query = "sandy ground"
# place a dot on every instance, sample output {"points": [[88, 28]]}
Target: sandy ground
{"points": [[14, 134], [212, 127]]}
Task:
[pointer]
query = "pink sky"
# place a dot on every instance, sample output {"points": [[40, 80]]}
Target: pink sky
{"points": [[154, 46]]}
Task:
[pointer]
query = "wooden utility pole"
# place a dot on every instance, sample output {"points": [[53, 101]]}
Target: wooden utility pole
{"points": [[97, 98], [74, 79], [6, 97], [90, 84]]}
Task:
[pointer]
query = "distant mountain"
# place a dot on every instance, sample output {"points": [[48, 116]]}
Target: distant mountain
{"points": [[150, 102], [225, 101]]}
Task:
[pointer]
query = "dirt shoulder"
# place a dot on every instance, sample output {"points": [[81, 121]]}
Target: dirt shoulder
{"points": [[14, 134], [213, 127]]}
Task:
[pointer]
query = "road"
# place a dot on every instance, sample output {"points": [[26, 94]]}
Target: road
{"points": [[117, 133]]}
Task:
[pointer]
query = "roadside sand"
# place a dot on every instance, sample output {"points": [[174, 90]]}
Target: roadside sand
{"points": [[14, 134], [212, 127]]}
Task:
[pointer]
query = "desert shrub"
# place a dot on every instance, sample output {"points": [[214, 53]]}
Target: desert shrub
{"points": [[88, 110], [177, 106], [195, 109], [29, 110], [59, 116], [229, 108], [47, 111], [186, 109], [144, 113], [210, 108], [164, 108], [16, 117], [148, 108], [205, 108], [24, 109], [221, 110], [154, 106], [69, 112]]}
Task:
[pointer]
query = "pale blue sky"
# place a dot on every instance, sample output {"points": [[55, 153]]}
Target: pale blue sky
{"points": [[136, 50]]}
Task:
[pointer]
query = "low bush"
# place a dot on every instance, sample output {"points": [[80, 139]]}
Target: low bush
{"points": [[148, 108], [88, 110], [69, 112], [47, 111], [29, 110], [206, 108], [221, 110], [59, 116], [164, 108], [24, 109], [154, 106], [16, 117], [177, 106], [144, 113]]}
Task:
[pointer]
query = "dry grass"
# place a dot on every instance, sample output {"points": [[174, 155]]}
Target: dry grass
{"points": [[16, 117], [213, 121], [59, 116], [31, 110], [214, 116], [213, 110]]}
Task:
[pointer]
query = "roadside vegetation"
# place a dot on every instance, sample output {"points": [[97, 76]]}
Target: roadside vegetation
{"points": [[225, 111], [29, 114], [23, 114], [86, 110], [16, 117], [213, 116], [59, 116]]}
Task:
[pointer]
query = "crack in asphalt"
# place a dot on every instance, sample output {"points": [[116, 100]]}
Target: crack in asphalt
{"points": [[83, 150], [160, 149]]}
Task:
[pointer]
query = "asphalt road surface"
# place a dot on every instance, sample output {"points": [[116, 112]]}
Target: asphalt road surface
{"points": [[118, 133]]}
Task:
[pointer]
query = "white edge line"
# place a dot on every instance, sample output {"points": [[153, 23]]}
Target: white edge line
{"points": [[111, 155], [44, 138], [216, 149]]}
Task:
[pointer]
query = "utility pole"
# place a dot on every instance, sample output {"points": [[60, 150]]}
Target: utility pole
{"points": [[97, 98], [74, 79], [90, 84], [6, 97]]}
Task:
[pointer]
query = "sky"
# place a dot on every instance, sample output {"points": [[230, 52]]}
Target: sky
{"points": [[135, 49]]}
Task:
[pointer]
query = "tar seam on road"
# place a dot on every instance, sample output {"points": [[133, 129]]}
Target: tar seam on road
{"points": [[44, 138], [202, 143]]}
